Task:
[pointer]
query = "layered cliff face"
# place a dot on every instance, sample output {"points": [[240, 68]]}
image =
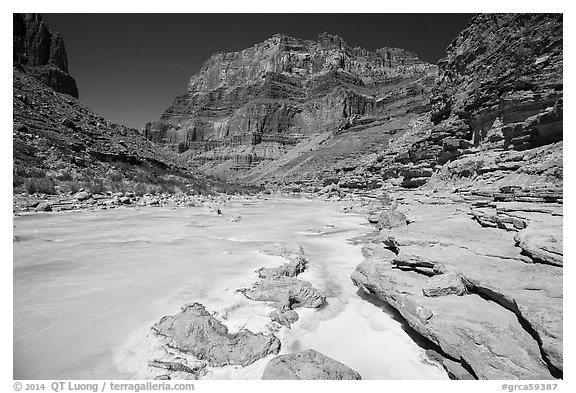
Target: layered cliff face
{"points": [[496, 113], [497, 103], [280, 92], [499, 72], [42, 53]]}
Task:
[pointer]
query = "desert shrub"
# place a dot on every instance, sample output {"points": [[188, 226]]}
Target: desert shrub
{"points": [[64, 176], [166, 188], [72, 186], [17, 180], [140, 189], [142, 177], [120, 186], [30, 172], [89, 175], [116, 176], [97, 187], [37, 185]]}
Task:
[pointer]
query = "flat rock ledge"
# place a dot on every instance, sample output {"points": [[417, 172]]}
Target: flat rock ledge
{"points": [[195, 331], [308, 365], [488, 296]]}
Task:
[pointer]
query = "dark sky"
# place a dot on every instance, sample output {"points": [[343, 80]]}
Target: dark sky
{"points": [[129, 67]]}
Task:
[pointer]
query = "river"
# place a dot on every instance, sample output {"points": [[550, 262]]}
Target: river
{"points": [[89, 285]]}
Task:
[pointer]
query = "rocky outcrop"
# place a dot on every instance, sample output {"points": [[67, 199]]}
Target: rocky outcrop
{"points": [[255, 105], [500, 87], [280, 287], [285, 294], [496, 113], [307, 365], [543, 245], [503, 75], [60, 145], [473, 290], [41, 53], [291, 269], [196, 332]]}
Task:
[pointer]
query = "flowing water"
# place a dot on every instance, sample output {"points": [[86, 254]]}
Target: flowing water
{"points": [[89, 285]]}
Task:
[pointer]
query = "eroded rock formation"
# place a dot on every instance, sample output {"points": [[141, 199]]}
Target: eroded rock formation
{"points": [[281, 289], [197, 332], [42, 53], [472, 289]]}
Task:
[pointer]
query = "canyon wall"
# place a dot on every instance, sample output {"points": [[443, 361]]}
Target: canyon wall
{"points": [[496, 112], [42, 53], [279, 92]]}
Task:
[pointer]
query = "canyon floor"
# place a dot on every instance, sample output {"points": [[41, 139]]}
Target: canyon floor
{"points": [[91, 286]]}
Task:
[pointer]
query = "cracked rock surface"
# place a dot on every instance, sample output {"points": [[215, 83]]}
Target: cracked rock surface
{"points": [[470, 289]]}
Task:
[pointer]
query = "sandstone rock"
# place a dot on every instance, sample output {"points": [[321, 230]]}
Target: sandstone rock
{"points": [[309, 365], [195, 331], [454, 369], [498, 219], [484, 335], [377, 250], [444, 240], [542, 245], [391, 219], [284, 316], [445, 284], [82, 195], [414, 182], [44, 207], [296, 266], [285, 291]]}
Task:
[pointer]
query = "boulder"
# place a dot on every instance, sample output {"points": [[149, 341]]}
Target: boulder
{"points": [[44, 207], [291, 269], [445, 284], [285, 291], [82, 196], [125, 200], [308, 365], [196, 332], [391, 219]]}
